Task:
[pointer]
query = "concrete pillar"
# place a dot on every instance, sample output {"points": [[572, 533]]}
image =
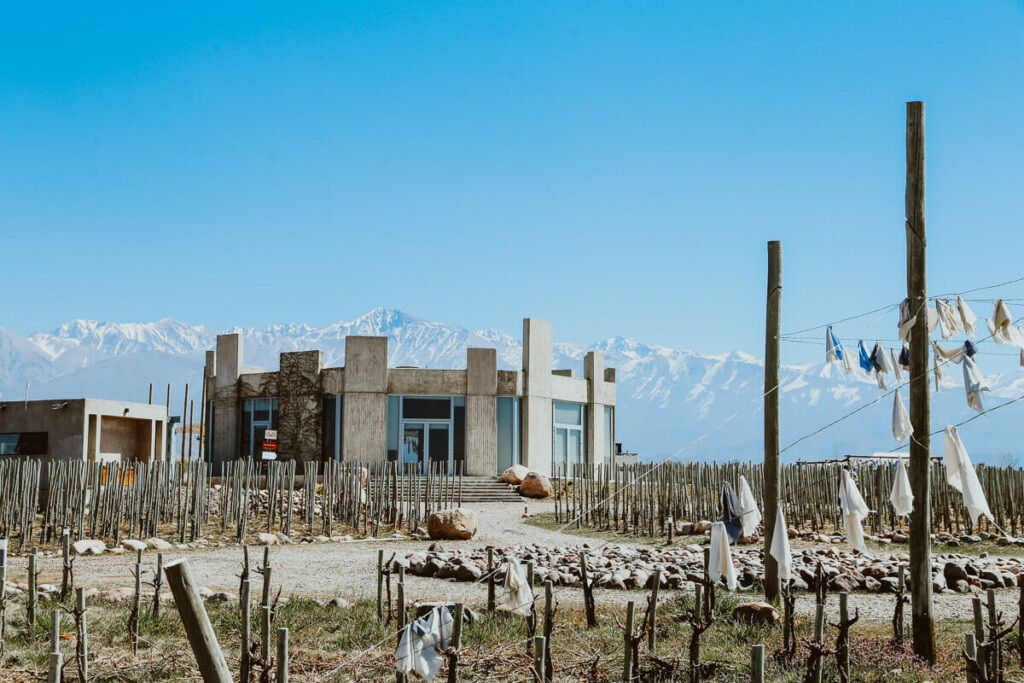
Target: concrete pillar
{"points": [[537, 348], [364, 424], [92, 436], [481, 412], [227, 412], [300, 406], [593, 372]]}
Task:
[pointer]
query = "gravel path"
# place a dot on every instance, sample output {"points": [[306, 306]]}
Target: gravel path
{"points": [[348, 570]]}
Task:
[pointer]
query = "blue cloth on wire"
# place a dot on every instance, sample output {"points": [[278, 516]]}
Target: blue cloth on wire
{"points": [[837, 346], [865, 358], [969, 349]]}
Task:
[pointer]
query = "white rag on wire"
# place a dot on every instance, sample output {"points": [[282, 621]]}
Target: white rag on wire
{"points": [[960, 475], [967, 317], [949, 318], [780, 547], [938, 364], [855, 510], [901, 427], [880, 361], [1001, 327], [902, 498], [896, 365], [974, 384], [720, 561], [518, 594], [907, 321], [750, 515], [419, 650]]}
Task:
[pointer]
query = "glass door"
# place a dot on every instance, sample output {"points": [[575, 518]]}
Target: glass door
{"points": [[439, 444], [561, 445], [413, 443]]}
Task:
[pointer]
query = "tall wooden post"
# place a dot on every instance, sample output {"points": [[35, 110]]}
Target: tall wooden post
{"points": [[212, 665], [922, 619], [772, 332], [184, 416]]}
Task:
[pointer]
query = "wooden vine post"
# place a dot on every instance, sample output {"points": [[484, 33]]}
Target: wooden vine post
{"points": [[772, 470], [212, 665], [922, 618]]}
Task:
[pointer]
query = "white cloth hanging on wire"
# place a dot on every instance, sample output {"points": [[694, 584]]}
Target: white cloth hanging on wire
{"points": [[967, 317], [954, 355], [419, 650], [780, 547], [854, 509], [896, 370], [880, 362], [907, 321], [974, 384], [949, 318], [518, 594], [720, 565], [1001, 326], [902, 497], [750, 515], [901, 427], [960, 475], [937, 366]]}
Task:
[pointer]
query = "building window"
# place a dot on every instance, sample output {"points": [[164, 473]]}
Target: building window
{"points": [[333, 419], [24, 443], [258, 415], [427, 429], [569, 434], [508, 432], [609, 434]]}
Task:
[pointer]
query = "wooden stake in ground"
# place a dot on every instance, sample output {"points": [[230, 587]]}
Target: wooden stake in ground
{"points": [[212, 665], [922, 620], [772, 332]]}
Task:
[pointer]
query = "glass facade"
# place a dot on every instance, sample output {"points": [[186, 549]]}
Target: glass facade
{"points": [[609, 434], [258, 415], [569, 429], [422, 429], [24, 443], [333, 422], [508, 432]]}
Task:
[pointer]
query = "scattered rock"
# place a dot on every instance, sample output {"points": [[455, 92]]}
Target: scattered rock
{"points": [[158, 544], [222, 596], [133, 545], [536, 485], [514, 475], [267, 539], [756, 613], [340, 603], [701, 527], [88, 546], [458, 524]]}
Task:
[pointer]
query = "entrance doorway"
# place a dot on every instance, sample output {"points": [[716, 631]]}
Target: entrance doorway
{"points": [[424, 442]]}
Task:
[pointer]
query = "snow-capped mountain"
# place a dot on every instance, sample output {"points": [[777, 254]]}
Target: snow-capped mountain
{"points": [[671, 402]]}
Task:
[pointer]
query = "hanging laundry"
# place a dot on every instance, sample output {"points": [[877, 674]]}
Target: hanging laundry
{"points": [[902, 498], [896, 370], [880, 362], [967, 317], [422, 642], [730, 504], [750, 515], [834, 351], [960, 475], [518, 596], [970, 350], [974, 384], [954, 355], [720, 562], [854, 509], [937, 364], [901, 428], [1001, 326], [865, 358], [1022, 358], [780, 547], [905, 358], [949, 319], [908, 321]]}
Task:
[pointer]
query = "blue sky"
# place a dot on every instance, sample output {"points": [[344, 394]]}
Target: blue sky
{"points": [[613, 167]]}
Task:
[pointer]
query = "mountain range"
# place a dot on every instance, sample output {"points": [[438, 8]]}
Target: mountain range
{"points": [[671, 402]]}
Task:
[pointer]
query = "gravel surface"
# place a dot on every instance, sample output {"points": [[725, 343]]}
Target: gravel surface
{"points": [[327, 570]]}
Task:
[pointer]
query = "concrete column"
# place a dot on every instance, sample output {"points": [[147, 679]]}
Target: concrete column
{"points": [[92, 436], [364, 424], [300, 406], [593, 372], [481, 412], [537, 347], [227, 412]]}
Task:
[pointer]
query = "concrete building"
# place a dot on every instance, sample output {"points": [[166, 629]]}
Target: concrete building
{"points": [[83, 429], [480, 420]]}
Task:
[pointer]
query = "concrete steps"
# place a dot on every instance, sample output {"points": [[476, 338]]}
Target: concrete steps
{"points": [[487, 490]]}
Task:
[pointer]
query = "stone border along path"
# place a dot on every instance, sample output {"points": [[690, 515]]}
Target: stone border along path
{"points": [[329, 570]]}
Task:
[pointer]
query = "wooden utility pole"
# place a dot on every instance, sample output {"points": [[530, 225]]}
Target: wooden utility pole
{"points": [[772, 332], [922, 620]]}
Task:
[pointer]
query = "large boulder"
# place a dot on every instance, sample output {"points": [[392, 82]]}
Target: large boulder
{"points": [[536, 485], [456, 524], [756, 613], [514, 475], [88, 546]]}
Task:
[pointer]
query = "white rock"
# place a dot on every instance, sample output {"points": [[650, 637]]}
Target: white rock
{"points": [[88, 546], [133, 545]]}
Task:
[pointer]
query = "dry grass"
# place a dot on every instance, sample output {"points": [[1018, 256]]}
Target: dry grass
{"points": [[351, 645]]}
